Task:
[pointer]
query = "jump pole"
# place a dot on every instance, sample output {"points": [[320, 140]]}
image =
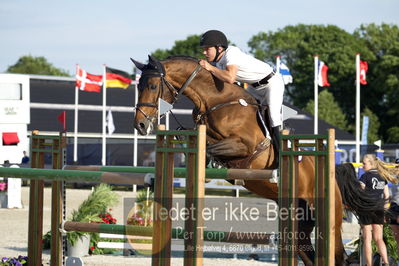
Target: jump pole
{"points": [[177, 233], [210, 173]]}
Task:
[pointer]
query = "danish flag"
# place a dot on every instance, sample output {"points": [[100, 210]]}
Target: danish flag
{"points": [[88, 82]]}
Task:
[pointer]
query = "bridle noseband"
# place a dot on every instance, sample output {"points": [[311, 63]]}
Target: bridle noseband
{"points": [[173, 91]]}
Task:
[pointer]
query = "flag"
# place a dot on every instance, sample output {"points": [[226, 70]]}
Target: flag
{"points": [[110, 123], [322, 76], [88, 82], [363, 70], [10, 138], [62, 119], [285, 73], [117, 79]]}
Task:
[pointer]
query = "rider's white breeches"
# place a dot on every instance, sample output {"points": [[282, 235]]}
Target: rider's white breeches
{"points": [[271, 94]]}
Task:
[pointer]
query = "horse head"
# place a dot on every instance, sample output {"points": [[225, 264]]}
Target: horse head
{"points": [[155, 84], [151, 88]]}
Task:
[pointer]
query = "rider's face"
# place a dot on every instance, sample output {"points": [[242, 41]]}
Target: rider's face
{"points": [[210, 53]]}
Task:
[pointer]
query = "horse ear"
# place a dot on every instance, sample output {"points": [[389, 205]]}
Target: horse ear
{"points": [[138, 64], [152, 60]]}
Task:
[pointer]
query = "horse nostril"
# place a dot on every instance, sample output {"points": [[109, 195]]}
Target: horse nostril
{"points": [[141, 125]]}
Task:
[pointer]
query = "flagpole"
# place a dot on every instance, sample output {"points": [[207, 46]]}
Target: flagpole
{"points": [[316, 95], [278, 64], [135, 141], [104, 140], [278, 72], [75, 136], [357, 108]]}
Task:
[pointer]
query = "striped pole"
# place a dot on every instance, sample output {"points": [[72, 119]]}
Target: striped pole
{"points": [[177, 233]]}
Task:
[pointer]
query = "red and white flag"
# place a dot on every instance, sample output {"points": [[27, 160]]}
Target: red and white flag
{"points": [[363, 70], [88, 82], [322, 76]]}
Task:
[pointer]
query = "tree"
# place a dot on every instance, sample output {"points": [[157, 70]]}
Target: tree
{"points": [[393, 135], [328, 110], [381, 94], [187, 47], [35, 65]]}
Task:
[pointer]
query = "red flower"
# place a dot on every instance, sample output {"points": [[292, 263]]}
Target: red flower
{"points": [[92, 248]]}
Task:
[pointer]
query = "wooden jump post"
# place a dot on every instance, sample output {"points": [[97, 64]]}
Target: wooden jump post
{"points": [[324, 195], [166, 146], [55, 145]]}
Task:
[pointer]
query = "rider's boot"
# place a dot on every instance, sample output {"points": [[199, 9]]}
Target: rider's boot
{"points": [[276, 147]]}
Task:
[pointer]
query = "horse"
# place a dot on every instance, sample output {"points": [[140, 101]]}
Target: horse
{"points": [[235, 136]]}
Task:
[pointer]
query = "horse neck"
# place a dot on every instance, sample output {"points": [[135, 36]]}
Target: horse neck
{"points": [[204, 90]]}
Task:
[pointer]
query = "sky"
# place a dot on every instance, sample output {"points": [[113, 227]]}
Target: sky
{"points": [[94, 33]]}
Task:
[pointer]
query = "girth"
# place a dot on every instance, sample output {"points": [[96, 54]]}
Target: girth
{"points": [[245, 162]]}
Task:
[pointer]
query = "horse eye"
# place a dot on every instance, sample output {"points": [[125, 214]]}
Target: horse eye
{"points": [[153, 86]]}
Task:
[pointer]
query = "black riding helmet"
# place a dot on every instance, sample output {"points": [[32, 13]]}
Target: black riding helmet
{"points": [[213, 38]]}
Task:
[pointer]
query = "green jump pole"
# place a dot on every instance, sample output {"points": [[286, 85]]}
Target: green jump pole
{"points": [[88, 176], [210, 173]]}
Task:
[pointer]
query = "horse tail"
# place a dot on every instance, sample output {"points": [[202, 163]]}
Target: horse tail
{"points": [[356, 199]]}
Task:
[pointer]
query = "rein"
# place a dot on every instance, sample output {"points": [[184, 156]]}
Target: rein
{"points": [[200, 117], [174, 92]]}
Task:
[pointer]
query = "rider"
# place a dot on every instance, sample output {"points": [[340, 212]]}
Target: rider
{"points": [[230, 64]]}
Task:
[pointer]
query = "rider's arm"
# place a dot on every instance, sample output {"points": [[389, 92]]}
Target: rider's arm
{"points": [[228, 75]]}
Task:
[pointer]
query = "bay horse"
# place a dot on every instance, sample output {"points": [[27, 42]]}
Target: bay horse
{"points": [[234, 135]]}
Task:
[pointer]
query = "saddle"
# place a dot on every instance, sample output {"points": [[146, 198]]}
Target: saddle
{"points": [[244, 163]]}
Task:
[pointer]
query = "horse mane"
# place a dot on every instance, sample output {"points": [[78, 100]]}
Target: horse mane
{"points": [[248, 97], [181, 57]]}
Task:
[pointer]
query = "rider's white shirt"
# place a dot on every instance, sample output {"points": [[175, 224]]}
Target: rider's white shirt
{"points": [[250, 69]]}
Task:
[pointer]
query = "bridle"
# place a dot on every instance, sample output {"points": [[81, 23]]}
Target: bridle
{"points": [[175, 93]]}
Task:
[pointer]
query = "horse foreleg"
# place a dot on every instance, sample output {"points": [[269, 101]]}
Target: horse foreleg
{"points": [[305, 249], [340, 254], [305, 226], [228, 148]]}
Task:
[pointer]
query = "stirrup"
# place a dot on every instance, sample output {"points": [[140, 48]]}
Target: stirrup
{"points": [[274, 178]]}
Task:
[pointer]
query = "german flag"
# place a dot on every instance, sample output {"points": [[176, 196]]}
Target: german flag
{"points": [[117, 79]]}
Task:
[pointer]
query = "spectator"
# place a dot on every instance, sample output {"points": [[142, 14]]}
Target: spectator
{"points": [[25, 158], [375, 181]]}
